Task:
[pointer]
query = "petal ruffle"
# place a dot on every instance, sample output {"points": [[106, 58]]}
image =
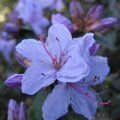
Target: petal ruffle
{"points": [[56, 104]]}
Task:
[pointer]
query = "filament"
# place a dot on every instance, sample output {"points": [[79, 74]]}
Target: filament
{"points": [[78, 89]]}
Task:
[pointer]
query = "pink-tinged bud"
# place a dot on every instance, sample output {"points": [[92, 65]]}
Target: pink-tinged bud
{"points": [[11, 28], [22, 111], [59, 18], [108, 22], [102, 25], [12, 110], [76, 9], [14, 81], [16, 112], [94, 14]]}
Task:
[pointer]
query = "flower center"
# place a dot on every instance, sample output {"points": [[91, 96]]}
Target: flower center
{"points": [[57, 63]]}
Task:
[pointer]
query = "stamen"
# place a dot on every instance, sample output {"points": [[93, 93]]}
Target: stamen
{"points": [[96, 78], [46, 49], [60, 48], [42, 74], [78, 89]]}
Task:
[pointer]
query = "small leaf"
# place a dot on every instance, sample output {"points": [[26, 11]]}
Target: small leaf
{"points": [[116, 84]]}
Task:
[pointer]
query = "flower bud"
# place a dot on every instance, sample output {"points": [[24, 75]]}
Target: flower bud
{"points": [[16, 112], [11, 28], [14, 81], [12, 110], [76, 9], [94, 14]]}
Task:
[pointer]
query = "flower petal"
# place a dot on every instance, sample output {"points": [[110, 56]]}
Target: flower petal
{"points": [[86, 43], [37, 76], [81, 104], [99, 70], [58, 39], [59, 18], [74, 69], [6, 47], [56, 104], [32, 50]]}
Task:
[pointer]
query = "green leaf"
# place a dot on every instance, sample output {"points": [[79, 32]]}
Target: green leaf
{"points": [[38, 102], [108, 40], [116, 84]]}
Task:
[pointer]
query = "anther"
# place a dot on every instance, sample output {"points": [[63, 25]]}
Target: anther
{"points": [[42, 74], [84, 80]]}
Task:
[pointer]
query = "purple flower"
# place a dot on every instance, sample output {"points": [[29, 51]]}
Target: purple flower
{"points": [[31, 12], [16, 112], [51, 60], [6, 47], [79, 95], [87, 22], [14, 81]]}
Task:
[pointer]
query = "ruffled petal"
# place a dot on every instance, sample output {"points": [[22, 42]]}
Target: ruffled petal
{"points": [[74, 69], [99, 70], [56, 104], [37, 76]]}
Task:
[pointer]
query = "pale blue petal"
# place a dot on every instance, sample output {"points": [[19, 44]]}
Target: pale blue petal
{"points": [[58, 39], [82, 104], [37, 76], [56, 104], [74, 69], [32, 50]]}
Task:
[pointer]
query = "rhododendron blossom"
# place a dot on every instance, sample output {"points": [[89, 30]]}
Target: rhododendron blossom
{"points": [[70, 61], [51, 60]]}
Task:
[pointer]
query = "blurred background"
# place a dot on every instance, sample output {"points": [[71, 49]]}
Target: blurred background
{"points": [[110, 47]]}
